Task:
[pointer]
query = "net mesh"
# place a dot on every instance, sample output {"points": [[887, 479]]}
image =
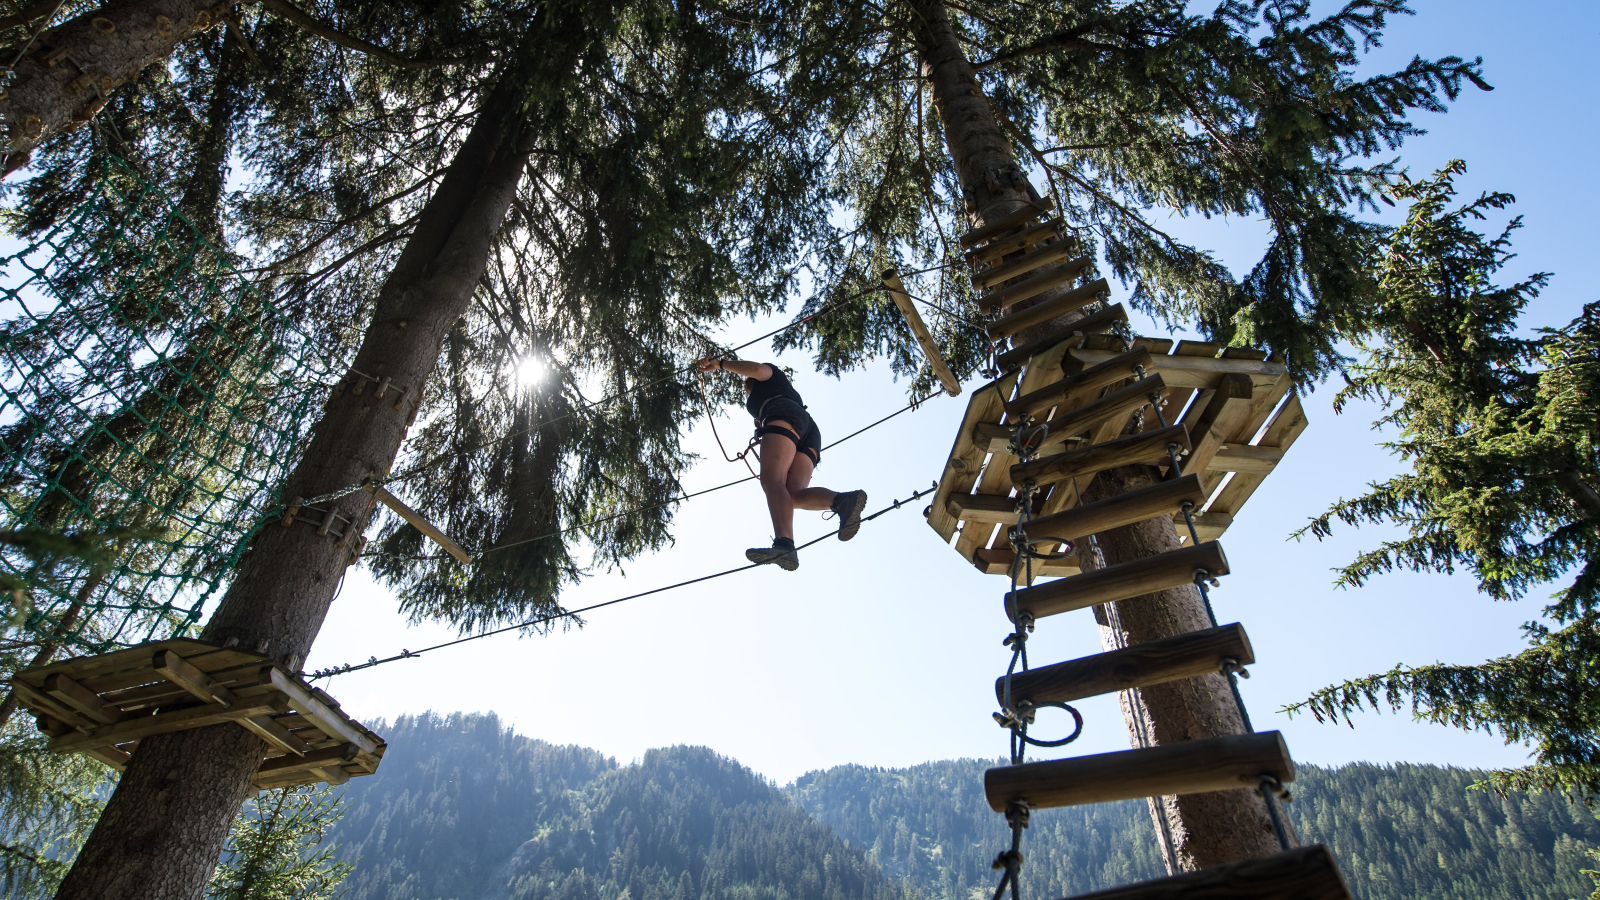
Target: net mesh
{"points": [[149, 392]]}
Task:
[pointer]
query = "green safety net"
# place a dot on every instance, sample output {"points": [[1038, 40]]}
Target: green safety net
{"points": [[151, 393]]}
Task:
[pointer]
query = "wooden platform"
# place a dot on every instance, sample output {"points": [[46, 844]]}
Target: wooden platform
{"points": [[1304, 873], [103, 706], [1236, 408]]}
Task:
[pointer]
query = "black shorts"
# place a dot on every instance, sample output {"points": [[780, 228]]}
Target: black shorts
{"points": [[786, 410]]}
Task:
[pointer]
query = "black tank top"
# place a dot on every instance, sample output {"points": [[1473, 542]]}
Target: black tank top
{"points": [[776, 386]]}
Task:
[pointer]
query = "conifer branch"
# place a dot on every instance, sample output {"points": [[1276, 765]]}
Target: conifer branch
{"points": [[308, 23]]}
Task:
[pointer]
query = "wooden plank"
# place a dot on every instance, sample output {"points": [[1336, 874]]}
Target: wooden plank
{"points": [[1155, 662], [177, 720], [1077, 298], [1158, 499], [116, 758], [416, 520], [1117, 405], [983, 508], [281, 771], [1305, 873], [1134, 578], [332, 722], [930, 347], [1026, 263], [1091, 324], [1009, 245], [1286, 426], [175, 669], [269, 730], [38, 701], [1245, 458], [1207, 525], [1227, 409], [1022, 216], [160, 692], [1120, 368], [1008, 294], [962, 465], [1188, 767], [81, 699], [1146, 447], [1196, 371], [997, 561]]}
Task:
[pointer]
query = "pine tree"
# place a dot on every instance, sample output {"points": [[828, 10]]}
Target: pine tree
{"points": [[1502, 437], [48, 803], [277, 848]]}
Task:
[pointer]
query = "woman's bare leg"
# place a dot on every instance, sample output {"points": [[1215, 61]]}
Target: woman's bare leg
{"points": [[800, 492], [777, 456]]}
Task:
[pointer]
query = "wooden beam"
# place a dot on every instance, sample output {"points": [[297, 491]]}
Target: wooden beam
{"points": [[1197, 371], [1007, 294], [268, 729], [965, 459], [80, 698], [1286, 426], [286, 770], [1119, 582], [997, 561], [983, 508], [177, 720], [40, 702], [1076, 298], [1146, 447], [1187, 767], [1246, 458], [1116, 405], [177, 670], [1091, 324], [1008, 245], [416, 520], [930, 348], [1158, 499], [1305, 873], [1226, 411], [1021, 217], [332, 723], [116, 758], [1119, 368], [1154, 662], [1025, 263]]}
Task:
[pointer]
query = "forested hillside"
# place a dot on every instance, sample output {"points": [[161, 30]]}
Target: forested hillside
{"points": [[464, 809]]}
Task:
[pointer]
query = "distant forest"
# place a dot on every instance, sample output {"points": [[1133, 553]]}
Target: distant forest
{"points": [[465, 809]]}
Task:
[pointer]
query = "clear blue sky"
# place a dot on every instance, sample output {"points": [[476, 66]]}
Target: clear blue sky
{"points": [[883, 651]]}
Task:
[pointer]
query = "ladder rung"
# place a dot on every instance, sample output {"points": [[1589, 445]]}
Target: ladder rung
{"points": [[1002, 246], [1046, 279], [1026, 214], [1153, 662], [1098, 376], [998, 560], [1101, 321], [1158, 499], [1146, 447], [1187, 767], [1076, 298], [1039, 258], [1305, 873], [1119, 582], [1117, 403]]}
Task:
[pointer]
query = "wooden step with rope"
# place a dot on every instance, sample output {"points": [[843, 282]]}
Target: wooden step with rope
{"points": [[1122, 581], [104, 705], [1222, 649], [998, 560], [1063, 427], [1161, 498], [1232, 762], [1022, 265], [1077, 298], [1005, 246], [1034, 210], [1094, 323], [1149, 447], [1073, 390], [1304, 873], [1044, 280]]}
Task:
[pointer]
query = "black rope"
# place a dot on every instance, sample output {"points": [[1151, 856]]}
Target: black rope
{"points": [[411, 654]]}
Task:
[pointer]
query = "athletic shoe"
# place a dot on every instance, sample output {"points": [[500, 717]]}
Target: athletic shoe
{"points": [[781, 552], [848, 507]]}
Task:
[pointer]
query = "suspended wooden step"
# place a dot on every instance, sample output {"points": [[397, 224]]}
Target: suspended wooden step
{"points": [[1148, 447], [1095, 323], [1044, 280], [1305, 873], [997, 561], [1077, 298], [1189, 767], [1023, 216], [1005, 246], [983, 508], [1190, 371], [1071, 391], [1120, 582], [1161, 498], [1026, 263], [1155, 662], [1117, 404], [102, 706], [930, 349]]}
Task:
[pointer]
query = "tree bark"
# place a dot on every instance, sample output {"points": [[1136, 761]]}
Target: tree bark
{"points": [[163, 829], [66, 75], [1206, 829]]}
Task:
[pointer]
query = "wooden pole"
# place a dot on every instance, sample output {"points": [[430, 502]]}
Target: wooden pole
{"points": [[416, 519], [897, 292]]}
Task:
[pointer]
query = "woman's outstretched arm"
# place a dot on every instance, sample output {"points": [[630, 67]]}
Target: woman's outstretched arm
{"points": [[758, 371]]}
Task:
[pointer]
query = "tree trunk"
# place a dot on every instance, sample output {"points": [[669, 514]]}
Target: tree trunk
{"points": [[163, 829], [1206, 829], [71, 69]]}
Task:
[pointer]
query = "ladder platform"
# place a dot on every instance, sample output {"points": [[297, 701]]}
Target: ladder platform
{"points": [[1119, 582], [1188, 767], [1096, 323], [1161, 498], [104, 705], [1153, 662], [1022, 216], [1026, 263], [1080, 386], [1149, 447], [1077, 298], [1304, 873]]}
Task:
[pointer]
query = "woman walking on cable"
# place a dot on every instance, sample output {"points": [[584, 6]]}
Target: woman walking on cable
{"points": [[791, 446]]}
